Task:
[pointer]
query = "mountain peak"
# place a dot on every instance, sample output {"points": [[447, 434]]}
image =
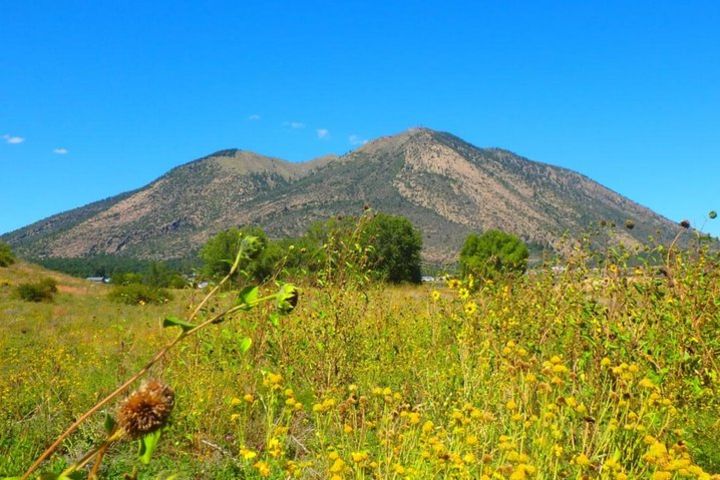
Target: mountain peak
{"points": [[444, 185]]}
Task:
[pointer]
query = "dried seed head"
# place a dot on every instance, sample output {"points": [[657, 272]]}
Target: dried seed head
{"points": [[146, 409], [685, 224]]}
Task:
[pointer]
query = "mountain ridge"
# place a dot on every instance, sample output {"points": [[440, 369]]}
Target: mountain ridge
{"points": [[446, 186]]}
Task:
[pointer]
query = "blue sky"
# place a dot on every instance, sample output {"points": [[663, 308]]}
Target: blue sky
{"points": [[100, 97]]}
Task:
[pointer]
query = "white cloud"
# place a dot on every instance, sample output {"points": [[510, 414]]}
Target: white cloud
{"points": [[294, 125], [355, 139], [12, 139], [323, 133], [254, 117], [60, 151]]}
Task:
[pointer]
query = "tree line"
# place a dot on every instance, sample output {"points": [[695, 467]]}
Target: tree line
{"points": [[373, 246]]}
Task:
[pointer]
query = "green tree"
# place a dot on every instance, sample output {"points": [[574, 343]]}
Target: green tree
{"points": [[219, 252], [492, 254], [396, 245], [159, 274], [7, 257]]}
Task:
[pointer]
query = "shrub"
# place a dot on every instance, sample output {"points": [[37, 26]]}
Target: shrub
{"points": [[40, 291], [139, 294], [7, 257], [219, 252], [396, 246], [492, 254]]}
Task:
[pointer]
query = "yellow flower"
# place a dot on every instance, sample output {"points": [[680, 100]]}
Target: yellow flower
{"points": [[338, 466], [646, 383], [435, 295], [359, 457], [470, 308], [428, 427], [582, 460], [661, 476], [273, 380], [247, 454], [263, 468], [274, 448]]}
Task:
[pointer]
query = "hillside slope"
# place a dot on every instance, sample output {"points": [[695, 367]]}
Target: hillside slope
{"points": [[446, 186]]}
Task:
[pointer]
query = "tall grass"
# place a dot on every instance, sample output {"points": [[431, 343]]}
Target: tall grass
{"points": [[604, 369]]}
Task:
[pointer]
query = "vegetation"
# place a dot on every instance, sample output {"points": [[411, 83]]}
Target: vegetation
{"points": [[396, 246], [598, 370], [7, 257], [96, 266], [219, 252], [43, 290], [389, 246], [493, 254], [396, 175], [156, 274], [139, 294]]}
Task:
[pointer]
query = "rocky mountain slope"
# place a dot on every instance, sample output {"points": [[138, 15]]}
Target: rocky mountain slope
{"points": [[446, 186]]}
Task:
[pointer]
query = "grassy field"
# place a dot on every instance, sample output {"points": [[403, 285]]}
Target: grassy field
{"points": [[609, 373]]}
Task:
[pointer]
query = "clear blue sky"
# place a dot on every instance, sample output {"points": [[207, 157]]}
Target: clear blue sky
{"points": [[100, 97]]}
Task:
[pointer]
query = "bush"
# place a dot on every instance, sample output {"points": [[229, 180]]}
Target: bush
{"points": [[378, 246], [7, 257], [126, 278], [396, 246], [41, 291], [139, 294], [219, 252], [493, 254]]}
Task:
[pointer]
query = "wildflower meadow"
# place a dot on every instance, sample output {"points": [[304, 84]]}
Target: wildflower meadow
{"points": [[604, 368]]}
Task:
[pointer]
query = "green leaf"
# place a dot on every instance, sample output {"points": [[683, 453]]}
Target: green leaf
{"points": [[245, 344], [251, 246], [248, 297], [148, 443], [274, 319], [109, 423], [173, 321], [287, 298]]}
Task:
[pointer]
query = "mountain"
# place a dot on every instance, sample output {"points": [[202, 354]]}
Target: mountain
{"points": [[444, 185]]}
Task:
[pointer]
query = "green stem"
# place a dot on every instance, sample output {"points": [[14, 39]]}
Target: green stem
{"points": [[159, 355]]}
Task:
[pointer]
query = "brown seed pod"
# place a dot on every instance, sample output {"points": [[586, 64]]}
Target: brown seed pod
{"points": [[146, 409]]}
